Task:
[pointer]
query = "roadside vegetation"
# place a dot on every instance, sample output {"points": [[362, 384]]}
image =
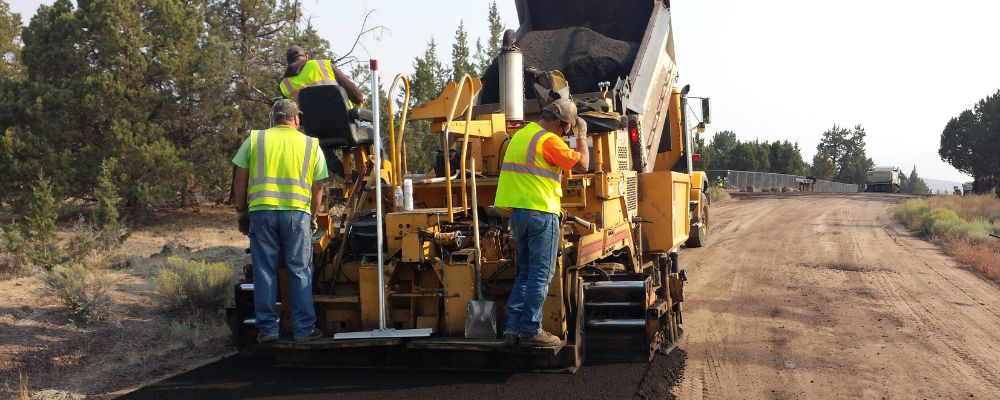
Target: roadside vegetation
{"points": [[962, 225]]}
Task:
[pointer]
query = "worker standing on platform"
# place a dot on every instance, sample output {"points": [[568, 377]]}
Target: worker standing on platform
{"points": [[278, 189], [303, 72], [530, 184]]}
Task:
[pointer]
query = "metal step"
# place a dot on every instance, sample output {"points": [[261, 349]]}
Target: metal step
{"points": [[614, 285], [614, 304], [617, 323]]}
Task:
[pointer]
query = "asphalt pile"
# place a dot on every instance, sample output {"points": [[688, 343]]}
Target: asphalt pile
{"points": [[585, 58]]}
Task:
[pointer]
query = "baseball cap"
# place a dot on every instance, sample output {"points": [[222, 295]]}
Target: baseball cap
{"points": [[293, 52], [284, 109]]}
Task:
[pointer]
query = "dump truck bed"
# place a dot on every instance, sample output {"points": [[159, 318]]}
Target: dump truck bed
{"points": [[626, 42]]}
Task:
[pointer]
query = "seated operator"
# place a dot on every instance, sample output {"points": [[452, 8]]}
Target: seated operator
{"points": [[302, 72]]}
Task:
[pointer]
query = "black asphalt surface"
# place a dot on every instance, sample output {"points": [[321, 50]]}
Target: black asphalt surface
{"points": [[243, 377]]}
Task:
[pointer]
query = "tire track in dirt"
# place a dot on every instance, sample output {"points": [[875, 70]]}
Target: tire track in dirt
{"points": [[820, 295]]}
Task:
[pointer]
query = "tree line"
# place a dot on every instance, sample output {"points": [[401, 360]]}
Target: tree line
{"points": [[156, 95]]}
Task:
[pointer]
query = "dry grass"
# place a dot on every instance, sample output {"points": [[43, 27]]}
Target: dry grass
{"points": [[718, 195], [963, 226], [139, 341]]}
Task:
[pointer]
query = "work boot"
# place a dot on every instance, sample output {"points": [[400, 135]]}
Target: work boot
{"points": [[262, 338], [510, 340], [315, 334], [542, 339]]}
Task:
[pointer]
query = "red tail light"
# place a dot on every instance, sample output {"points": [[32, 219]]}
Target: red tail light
{"points": [[696, 157], [633, 131]]}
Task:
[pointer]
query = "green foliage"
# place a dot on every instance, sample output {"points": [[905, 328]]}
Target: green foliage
{"points": [[105, 217], [969, 142], [84, 292], [10, 42], [195, 287], [725, 151], [914, 184], [842, 152], [461, 63], [37, 212], [945, 222]]}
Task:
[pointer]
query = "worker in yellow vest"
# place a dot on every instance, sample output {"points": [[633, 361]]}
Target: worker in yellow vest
{"points": [[278, 189], [302, 72], [531, 186]]}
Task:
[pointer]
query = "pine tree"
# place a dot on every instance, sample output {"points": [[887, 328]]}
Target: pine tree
{"points": [[10, 42], [496, 29], [105, 217], [460, 62], [917, 184], [37, 211]]}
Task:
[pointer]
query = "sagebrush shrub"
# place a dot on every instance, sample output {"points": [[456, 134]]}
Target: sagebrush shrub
{"points": [[195, 287], [85, 293]]}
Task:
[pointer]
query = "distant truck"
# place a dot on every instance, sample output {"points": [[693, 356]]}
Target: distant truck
{"points": [[883, 179]]}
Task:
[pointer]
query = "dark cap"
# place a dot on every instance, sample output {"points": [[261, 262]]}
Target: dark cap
{"points": [[284, 109], [293, 53]]}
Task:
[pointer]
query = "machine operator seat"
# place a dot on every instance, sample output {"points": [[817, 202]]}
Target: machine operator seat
{"points": [[328, 116]]}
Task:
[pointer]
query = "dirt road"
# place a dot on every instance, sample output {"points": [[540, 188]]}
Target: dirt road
{"points": [[809, 296], [822, 296]]}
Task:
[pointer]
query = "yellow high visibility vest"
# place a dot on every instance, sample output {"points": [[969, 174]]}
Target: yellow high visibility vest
{"points": [[526, 179], [282, 163], [314, 73]]}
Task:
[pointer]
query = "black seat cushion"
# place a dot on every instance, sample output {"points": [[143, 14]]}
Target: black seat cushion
{"points": [[327, 115]]}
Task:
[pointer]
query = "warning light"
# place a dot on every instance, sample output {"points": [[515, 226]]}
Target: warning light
{"points": [[633, 131], [696, 157]]}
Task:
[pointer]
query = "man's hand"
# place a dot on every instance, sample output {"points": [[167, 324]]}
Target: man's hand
{"points": [[580, 129], [315, 225], [244, 223]]}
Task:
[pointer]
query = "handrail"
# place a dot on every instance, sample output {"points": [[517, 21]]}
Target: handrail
{"points": [[465, 143], [396, 149]]}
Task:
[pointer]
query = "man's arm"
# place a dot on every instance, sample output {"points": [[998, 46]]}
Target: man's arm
{"points": [[352, 90], [584, 163], [242, 176], [317, 197]]}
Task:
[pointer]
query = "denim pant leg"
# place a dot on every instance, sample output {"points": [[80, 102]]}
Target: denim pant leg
{"points": [[264, 247], [543, 245], [515, 302], [296, 240]]}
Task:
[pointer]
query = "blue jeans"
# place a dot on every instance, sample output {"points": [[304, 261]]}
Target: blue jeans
{"points": [[537, 236], [274, 234]]}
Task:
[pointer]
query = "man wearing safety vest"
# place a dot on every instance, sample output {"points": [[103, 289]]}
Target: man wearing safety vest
{"points": [[531, 186], [278, 188], [302, 72]]}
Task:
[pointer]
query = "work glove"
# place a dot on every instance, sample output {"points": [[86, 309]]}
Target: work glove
{"points": [[315, 225], [244, 223], [580, 129]]}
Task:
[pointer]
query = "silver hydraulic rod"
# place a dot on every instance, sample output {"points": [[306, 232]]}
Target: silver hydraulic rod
{"points": [[378, 197]]}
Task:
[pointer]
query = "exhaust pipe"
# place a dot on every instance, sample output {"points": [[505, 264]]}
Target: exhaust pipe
{"points": [[511, 78]]}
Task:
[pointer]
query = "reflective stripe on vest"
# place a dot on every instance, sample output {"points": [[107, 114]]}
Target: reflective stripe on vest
{"points": [[286, 184], [313, 73], [526, 179]]}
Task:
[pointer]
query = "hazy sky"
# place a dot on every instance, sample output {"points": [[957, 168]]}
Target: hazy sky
{"points": [[775, 69]]}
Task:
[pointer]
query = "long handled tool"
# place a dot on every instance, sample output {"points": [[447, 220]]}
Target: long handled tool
{"points": [[383, 331], [480, 316]]}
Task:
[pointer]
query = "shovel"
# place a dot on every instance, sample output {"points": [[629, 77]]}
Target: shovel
{"points": [[480, 315]]}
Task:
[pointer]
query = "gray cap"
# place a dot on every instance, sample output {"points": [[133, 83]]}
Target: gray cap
{"points": [[293, 53], [564, 109], [284, 109]]}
